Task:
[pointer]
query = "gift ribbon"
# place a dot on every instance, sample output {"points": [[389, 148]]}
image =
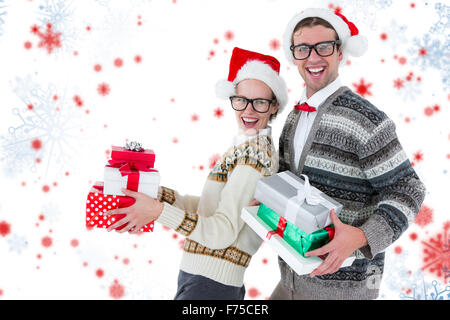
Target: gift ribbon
{"points": [[131, 169], [305, 193], [280, 228]]}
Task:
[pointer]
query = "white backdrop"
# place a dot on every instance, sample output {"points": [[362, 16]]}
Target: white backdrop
{"points": [[146, 70]]}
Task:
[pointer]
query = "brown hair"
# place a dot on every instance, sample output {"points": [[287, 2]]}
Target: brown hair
{"points": [[311, 22]]}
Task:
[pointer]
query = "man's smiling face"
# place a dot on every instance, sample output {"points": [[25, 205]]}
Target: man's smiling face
{"points": [[317, 71]]}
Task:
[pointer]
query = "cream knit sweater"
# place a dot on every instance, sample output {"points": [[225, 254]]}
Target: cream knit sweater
{"points": [[219, 245]]}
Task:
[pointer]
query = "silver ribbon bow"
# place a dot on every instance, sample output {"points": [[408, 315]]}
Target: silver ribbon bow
{"points": [[134, 146]]}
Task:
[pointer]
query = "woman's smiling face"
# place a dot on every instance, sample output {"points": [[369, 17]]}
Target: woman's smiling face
{"points": [[250, 121]]}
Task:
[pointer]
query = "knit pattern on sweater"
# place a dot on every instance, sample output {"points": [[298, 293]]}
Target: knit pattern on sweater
{"points": [[353, 155], [256, 153]]}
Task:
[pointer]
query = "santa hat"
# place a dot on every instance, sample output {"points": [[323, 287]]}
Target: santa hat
{"points": [[353, 43], [246, 64]]}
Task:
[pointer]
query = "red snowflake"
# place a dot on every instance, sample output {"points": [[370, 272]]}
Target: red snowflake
{"points": [[229, 35], [36, 144], [116, 290], [337, 9], [383, 36], [103, 89], [422, 52], [78, 101], [398, 84], [48, 39], [274, 44], [437, 254], [424, 217], [5, 228], [363, 88], [253, 293], [194, 117], [99, 273], [46, 241], [218, 112], [418, 156]]}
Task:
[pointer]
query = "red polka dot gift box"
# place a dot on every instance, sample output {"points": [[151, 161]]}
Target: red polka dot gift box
{"points": [[98, 203]]}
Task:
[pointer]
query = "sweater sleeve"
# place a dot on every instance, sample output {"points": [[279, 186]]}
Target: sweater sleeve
{"points": [[220, 229], [172, 197], [400, 192]]}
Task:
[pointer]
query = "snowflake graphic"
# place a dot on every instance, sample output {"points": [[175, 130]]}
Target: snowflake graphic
{"points": [[362, 12], [51, 212], [409, 87], [424, 292], [432, 53], [424, 217], [442, 26], [48, 135], [3, 13], [437, 254], [60, 15], [48, 39], [17, 243], [397, 277], [395, 35], [362, 88]]}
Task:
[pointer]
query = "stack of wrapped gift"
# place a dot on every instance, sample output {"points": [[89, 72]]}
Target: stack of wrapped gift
{"points": [[131, 167], [294, 218]]}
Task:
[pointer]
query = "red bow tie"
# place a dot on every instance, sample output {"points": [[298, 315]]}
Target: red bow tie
{"points": [[304, 107]]}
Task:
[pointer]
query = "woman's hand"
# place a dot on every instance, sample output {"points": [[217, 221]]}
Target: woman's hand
{"points": [[143, 211]]}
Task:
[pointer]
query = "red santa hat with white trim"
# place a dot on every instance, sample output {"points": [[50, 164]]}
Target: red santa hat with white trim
{"points": [[246, 64], [353, 43]]}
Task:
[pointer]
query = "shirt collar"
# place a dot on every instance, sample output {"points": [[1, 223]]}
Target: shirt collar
{"points": [[241, 137], [320, 96]]}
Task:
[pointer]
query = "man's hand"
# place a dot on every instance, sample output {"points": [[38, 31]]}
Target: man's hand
{"points": [[254, 203], [143, 211], [346, 240]]}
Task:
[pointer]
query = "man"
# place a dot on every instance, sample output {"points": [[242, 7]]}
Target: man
{"points": [[349, 150]]}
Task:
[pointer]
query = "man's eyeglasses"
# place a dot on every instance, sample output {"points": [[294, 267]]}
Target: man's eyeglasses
{"points": [[323, 49], [259, 105]]}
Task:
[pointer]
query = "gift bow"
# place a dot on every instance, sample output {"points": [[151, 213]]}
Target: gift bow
{"points": [[305, 193], [308, 194], [127, 167], [131, 169]]}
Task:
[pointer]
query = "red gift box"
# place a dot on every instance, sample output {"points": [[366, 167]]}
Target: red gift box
{"points": [[146, 156], [98, 203]]}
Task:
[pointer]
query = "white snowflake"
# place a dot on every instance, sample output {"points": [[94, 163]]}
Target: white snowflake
{"points": [[3, 13], [425, 291], [432, 53], [51, 212], [409, 88], [442, 26], [395, 34], [56, 123], [17, 243], [363, 12]]}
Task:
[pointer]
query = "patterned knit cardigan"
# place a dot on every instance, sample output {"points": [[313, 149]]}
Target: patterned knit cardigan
{"points": [[353, 155]]}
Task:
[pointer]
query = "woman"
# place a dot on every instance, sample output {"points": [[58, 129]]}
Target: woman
{"points": [[219, 245]]}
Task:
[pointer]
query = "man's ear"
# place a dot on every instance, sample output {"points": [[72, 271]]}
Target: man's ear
{"points": [[340, 54]]}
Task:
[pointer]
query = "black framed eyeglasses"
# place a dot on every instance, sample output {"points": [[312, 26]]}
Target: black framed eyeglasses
{"points": [[259, 105], [323, 49]]}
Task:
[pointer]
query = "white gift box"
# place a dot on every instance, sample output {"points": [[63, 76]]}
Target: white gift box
{"points": [[114, 182], [294, 259]]}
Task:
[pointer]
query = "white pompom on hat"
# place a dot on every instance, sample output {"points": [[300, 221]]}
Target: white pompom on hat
{"points": [[246, 64], [353, 43]]}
